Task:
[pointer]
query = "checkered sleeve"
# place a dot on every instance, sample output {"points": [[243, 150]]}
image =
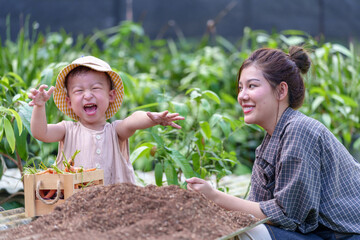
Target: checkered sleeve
{"points": [[297, 186]]}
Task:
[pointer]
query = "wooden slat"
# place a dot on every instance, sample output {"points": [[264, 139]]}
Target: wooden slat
{"points": [[68, 183]]}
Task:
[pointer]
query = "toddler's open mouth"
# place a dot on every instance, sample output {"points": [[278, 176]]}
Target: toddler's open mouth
{"points": [[90, 108]]}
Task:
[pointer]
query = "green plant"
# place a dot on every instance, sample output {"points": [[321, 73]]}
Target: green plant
{"points": [[13, 144], [195, 78], [199, 148]]}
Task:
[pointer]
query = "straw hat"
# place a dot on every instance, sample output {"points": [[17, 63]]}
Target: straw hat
{"points": [[97, 65]]}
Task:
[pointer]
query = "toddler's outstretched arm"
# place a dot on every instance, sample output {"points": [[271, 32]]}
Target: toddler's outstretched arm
{"points": [[39, 127], [143, 120]]}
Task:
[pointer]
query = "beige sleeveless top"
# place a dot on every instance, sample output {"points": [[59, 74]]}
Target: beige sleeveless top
{"points": [[100, 149]]}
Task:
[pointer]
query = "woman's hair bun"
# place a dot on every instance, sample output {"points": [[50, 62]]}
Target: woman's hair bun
{"points": [[300, 57]]}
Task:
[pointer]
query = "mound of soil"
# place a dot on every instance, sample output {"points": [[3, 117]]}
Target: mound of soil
{"points": [[126, 211]]}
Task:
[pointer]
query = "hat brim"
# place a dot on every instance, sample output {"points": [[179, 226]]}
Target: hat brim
{"points": [[60, 90]]}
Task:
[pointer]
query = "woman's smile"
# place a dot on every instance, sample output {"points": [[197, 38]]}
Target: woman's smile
{"points": [[247, 109]]}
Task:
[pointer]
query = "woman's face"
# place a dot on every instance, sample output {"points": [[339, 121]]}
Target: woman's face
{"points": [[257, 98]]}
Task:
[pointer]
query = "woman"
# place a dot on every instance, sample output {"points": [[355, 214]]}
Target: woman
{"points": [[304, 180]]}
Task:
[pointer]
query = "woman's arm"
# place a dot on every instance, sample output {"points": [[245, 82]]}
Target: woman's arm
{"points": [[225, 200]]}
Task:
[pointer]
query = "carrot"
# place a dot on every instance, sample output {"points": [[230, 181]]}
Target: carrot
{"points": [[43, 172], [72, 159], [90, 169], [50, 193], [42, 193]]}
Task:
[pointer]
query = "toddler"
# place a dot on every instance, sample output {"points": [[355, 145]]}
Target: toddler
{"points": [[90, 92]]}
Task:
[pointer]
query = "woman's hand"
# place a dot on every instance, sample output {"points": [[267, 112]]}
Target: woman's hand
{"points": [[165, 119], [40, 97], [201, 186]]}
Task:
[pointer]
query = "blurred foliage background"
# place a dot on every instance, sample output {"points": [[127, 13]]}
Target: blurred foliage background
{"points": [[196, 78]]}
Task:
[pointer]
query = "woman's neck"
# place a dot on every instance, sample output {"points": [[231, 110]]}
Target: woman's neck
{"points": [[272, 124]]}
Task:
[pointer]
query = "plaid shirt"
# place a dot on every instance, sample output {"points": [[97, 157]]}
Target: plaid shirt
{"points": [[303, 176]]}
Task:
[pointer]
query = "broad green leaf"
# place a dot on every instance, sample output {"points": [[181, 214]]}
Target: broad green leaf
{"points": [[347, 137], [186, 81], [183, 163], [225, 126], [190, 90], [205, 105], [18, 120], [172, 47], [46, 76], [293, 32], [158, 173], [203, 172], [180, 108], [194, 95], [196, 161], [338, 98], [137, 153], [227, 98], [21, 143], [349, 101], [145, 106], [9, 133], [129, 86], [200, 141], [317, 90], [205, 127], [157, 138], [213, 96], [215, 119], [316, 103], [341, 49], [357, 144], [25, 112], [292, 40], [1, 129], [326, 119], [170, 173], [5, 110]]}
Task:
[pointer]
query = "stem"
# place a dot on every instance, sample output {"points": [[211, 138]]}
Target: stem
{"points": [[7, 156], [17, 161], [19, 164], [11, 196]]}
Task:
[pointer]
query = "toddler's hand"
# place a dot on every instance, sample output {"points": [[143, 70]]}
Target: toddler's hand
{"points": [[165, 119], [40, 97]]}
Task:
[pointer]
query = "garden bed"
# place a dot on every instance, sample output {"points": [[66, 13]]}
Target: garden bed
{"points": [[127, 211]]}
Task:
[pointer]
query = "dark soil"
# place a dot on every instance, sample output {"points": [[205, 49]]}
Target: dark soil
{"points": [[126, 211]]}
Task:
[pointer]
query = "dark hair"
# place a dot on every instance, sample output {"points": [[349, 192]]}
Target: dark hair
{"points": [[83, 69], [278, 67]]}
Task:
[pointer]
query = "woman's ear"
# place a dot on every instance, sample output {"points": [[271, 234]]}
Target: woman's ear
{"points": [[282, 90], [112, 95]]}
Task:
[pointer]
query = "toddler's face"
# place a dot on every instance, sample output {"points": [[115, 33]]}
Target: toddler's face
{"points": [[89, 96]]}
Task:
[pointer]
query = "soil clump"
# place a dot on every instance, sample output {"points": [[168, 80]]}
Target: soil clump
{"points": [[126, 211]]}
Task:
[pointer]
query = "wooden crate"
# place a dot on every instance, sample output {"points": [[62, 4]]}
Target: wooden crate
{"points": [[69, 183]]}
